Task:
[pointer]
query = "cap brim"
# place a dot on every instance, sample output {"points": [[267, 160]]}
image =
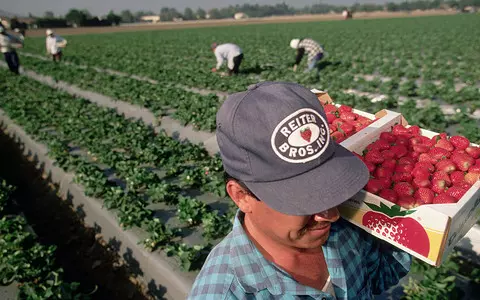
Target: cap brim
{"points": [[326, 186]]}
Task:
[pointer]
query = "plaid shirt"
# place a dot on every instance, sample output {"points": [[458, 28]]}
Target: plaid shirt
{"points": [[359, 264], [311, 47]]}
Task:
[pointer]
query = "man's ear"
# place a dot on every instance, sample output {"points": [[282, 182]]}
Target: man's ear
{"points": [[241, 197]]}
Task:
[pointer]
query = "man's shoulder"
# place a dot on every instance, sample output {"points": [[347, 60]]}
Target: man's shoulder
{"points": [[216, 277]]}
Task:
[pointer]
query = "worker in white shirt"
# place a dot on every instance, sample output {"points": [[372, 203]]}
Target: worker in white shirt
{"points": [[8, 43], [54, 45], [230, 53], [313, 49]]}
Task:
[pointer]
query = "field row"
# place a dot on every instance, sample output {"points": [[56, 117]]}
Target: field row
{"points": [[150, 181]]}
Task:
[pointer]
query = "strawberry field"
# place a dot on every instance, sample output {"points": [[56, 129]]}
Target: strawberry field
{"points": [[170, 192]]}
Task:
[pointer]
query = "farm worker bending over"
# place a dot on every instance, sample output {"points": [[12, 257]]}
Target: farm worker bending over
{"points": [[287, 176], [229, 52], [54, 45], [8, 43], [313, 49]]}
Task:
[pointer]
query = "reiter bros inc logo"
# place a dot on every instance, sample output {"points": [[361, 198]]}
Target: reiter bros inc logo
{"points": [[301, 137]]}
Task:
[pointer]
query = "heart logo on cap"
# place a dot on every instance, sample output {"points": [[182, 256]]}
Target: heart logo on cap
{"points": [[301, 137]]}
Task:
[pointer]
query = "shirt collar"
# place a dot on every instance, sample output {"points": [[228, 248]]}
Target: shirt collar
{"points": [[254, 272]]}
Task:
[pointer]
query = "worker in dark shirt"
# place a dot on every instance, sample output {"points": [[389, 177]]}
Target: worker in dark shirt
{"points": [[313, 50]]}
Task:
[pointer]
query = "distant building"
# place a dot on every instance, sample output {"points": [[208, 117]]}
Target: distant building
{"points": [[177, 19], [150, 19], [240, 15]]}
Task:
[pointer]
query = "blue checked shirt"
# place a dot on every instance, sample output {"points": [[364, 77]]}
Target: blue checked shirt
{"points": [[360, 265]]}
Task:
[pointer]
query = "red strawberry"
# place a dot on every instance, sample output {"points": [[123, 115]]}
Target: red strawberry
{"points": [[413, 155], [404, 176], [406, 161], [407, 202], [387, 154], [346, 128], [463, 185], [474, 169], [472, 178], [389, 195], [460, 142], [337, 136], [306, 134], [373, 186], [382, 145], [473, 151], [416, 140], [424, 196], [403, 189], [444, 199], [400, 130], [463, 161], [445, 145], [457, 177], [438, 154], [385, 182], [443, 176], [456, 192], [402, 140], [382, 172], [420, 148], [337, 122], [374, 157], [439, 186], [456, 151], [331, 118], [421, 173], [425, 157], [404, 168], [389, 164], [421, 183], [399, 150], [441, 136], [348, 116], [344, 108], [477, 162], [425, 165], [427, 141], [371, 167], [415, 130], [446, 166], [403, 230], [330, 108], [388, 136]]}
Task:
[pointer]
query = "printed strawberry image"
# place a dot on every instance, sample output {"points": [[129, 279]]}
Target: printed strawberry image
{"points": [[392, 224], [306, 134]]}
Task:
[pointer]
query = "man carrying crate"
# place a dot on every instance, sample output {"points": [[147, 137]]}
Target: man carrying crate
{"points": [[54, 45], [312, 48], [230, 53], [8, 43], [287, 177]]}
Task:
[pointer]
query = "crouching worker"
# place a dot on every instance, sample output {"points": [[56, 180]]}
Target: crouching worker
{"points": [[313, 50], [230, 53]]}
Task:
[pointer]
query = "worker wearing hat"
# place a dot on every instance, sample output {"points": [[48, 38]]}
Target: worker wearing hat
{"points": [[287, 176], [313, 50], [8, 44], [230, 53], [54, 44]]}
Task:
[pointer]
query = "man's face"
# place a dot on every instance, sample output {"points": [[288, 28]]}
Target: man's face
{"points": [[302, 232]]}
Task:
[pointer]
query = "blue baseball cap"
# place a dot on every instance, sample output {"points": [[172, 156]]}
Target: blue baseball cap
{"points": [[275, 138]]}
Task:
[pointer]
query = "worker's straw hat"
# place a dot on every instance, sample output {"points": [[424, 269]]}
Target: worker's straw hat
{"points": [[294, 43], [49, 32]]}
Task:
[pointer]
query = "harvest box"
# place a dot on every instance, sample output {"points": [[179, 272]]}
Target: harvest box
{"points": [[428, 232]]}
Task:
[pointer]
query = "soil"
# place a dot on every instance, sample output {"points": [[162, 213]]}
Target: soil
{"points": [[84, 256], [230, 22]]}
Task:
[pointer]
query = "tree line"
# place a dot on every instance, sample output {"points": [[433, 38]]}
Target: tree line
{"points": [[76, 17]]}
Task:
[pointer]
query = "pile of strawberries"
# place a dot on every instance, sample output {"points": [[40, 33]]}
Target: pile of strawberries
{"points": [[410, 169], [344, 122]]}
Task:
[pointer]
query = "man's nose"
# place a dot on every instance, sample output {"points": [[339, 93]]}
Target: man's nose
{"points": [[330, 215]]}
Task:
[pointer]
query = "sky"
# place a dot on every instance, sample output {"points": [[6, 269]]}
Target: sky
{"points": [[101, 7]]}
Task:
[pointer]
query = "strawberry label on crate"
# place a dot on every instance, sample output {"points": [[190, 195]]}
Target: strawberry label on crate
{"points": [[393, 224], [301, 137]]}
